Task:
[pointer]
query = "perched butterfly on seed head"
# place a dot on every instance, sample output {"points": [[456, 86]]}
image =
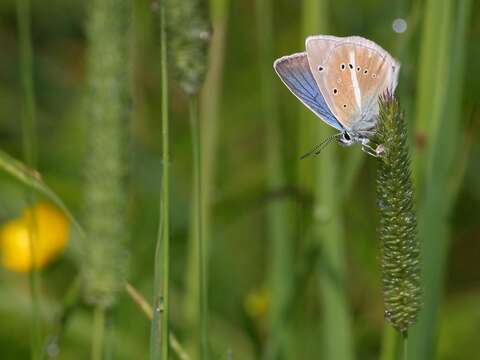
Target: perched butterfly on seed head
{"points": [[340, 79]]}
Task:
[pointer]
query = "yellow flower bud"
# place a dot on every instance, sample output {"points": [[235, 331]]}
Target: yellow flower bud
{"points": [[50, 229], [257, 303]]}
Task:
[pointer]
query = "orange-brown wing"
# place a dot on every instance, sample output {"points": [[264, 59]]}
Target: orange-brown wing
{"points": [[351, 76]]}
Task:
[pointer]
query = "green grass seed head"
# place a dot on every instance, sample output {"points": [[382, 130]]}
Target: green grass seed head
{"points": [[189, 33], [400, 250]]}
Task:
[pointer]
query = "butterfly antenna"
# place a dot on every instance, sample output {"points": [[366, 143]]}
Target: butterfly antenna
{"points": [[318, 149]]}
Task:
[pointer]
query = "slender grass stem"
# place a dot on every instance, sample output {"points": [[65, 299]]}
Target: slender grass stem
{"points": [[405, 345], [34, 280], [160, 323], [209, 126], [166, 187], [138, 299], [327, 217], [26, 66], [108, 353], [155, 331], [389, 343], [210, 108], [32, 179], [328, 227], [280, 211], [98, 335], [197, 229], [189, 36], [29, 153], [432, 77], [146, 308], [442, 64], [69, 303], [208, 137]]}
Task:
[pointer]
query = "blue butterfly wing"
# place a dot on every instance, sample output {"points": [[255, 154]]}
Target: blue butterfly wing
{"points": [[295, 73]]}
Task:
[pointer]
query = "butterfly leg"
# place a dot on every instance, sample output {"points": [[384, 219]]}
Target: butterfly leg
{"points": [[368, 149]]}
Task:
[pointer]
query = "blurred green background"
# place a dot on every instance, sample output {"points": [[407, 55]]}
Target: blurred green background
{"points": [[256, 274]]}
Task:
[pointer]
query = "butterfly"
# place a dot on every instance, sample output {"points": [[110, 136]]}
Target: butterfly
{"points": [[340, 79]]}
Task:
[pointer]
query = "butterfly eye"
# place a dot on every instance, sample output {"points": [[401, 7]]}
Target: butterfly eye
{"points": [[342, 66], [320, 68], [335, 91], [350, 66]]}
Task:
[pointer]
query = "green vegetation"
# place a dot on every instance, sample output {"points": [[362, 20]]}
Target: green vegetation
{"points": [[163, 134]]}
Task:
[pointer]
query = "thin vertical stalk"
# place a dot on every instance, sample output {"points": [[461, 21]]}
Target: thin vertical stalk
{"points": [[389, 343], [208, 143], [160, 323], [26, 68], [70, 302], [98, 335], [328, 227], [327, 219], [146, 308], [441, 155], [199, 246], [313, 22], [432, 79], [189, 36], [280, 211], [29, 153], [166, 195], [210, 107], [208, 137]]}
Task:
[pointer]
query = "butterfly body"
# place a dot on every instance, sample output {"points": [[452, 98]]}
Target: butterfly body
{"points": [[340, 80]]}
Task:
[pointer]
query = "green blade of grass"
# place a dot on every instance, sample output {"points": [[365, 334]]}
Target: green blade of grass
{"points": [[26, 66], [210, 109], [33, 180], [29, 152], [389, 350], [327, 219], [210, 101], [146, 308], [441, 157], [98, 333], [189, 36], [432, 81], [197, 299], [280, 211], [159, 333]]}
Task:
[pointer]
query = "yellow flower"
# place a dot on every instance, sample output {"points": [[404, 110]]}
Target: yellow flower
{"points": [[257, 303], [50, 229]]}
